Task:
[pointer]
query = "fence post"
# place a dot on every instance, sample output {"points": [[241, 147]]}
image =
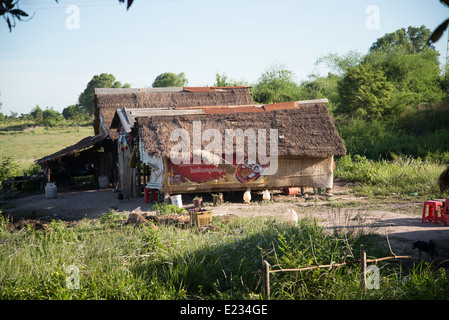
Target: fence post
{"points": [[266, 272], [363, 267]]}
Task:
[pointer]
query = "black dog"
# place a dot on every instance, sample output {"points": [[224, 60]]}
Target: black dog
{"points": [[428, 247]]}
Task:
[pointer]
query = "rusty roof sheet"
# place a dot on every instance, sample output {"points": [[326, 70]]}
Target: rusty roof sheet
{"points": [[255, 108], [212, 89]]}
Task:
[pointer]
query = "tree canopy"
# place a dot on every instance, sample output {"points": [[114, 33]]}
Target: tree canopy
{"points": [[222, 80], [170, 79], [104, 80], [412, 40], [276, 84], [365, 92]]}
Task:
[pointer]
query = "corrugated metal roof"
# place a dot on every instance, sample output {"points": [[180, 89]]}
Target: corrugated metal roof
{"points": [[256, 108], [164, 89], [136, 90], [212, 89], [127, 116]]}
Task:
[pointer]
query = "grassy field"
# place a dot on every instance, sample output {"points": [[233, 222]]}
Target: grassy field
{"points": [[21, 144], [33, 143], [116, 261]]}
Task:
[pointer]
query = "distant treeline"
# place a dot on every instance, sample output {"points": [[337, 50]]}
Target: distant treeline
{"points": [[393, 100]]}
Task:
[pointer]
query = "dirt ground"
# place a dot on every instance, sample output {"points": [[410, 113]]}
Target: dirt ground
{"points": [[400, 218]]}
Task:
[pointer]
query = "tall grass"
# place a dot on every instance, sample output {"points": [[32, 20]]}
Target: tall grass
{"points": [[119, 261], [383, 139], [402, 175]]}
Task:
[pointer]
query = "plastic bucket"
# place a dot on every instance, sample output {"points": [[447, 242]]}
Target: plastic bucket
{"points": [[176, 200], [51, 192]]}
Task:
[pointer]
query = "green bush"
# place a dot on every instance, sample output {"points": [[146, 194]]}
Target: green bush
{"points": [[9, 168], [166, 209], [383, 139], [112, 217]]}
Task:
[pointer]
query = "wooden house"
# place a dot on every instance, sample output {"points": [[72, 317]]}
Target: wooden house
{"points": [[101, 155], [306, 141]]}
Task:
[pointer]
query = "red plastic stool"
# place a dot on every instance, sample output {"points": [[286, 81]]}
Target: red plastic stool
{"points": [[432, 213], [155, 196]]}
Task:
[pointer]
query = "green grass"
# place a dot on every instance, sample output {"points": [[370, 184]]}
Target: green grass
{"points": [[401, 176], [32, 144], [117, 261], [20, 145]]}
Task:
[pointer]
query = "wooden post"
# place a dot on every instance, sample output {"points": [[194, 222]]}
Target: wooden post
{"points": [[266, 271], [139, 174], [363, 267]]}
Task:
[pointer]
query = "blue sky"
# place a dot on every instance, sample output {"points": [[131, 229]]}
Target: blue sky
{"points": [[46, 62]]}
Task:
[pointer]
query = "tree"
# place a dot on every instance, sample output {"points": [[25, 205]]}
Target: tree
{"points": [[276, 84], [74, 112], [37, 113], [438, 32], [169, 79], [222, 80], [104, 80], [2, 116], [339, 63], [51, 117], [415, 76], [412, 40], [322, 87], [364, 92], [10, 11]]}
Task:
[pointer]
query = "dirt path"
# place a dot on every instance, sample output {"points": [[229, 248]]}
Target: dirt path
{"points": [[400, 218]]}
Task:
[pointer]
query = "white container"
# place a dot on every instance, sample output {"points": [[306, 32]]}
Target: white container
{"points": [[51, 192], [176, 200], [103, 182]]}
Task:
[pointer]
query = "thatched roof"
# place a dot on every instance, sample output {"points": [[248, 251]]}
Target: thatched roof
{"points": [[304, 129], [73, 149], [107, 101]]}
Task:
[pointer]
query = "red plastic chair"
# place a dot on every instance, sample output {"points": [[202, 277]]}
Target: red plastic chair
{"points": [[432, 213]]}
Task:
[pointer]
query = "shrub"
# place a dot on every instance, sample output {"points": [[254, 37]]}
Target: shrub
{"points": [[165, 209]]}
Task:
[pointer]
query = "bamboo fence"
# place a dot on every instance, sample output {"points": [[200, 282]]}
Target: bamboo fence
{"points": [[363, 261]]}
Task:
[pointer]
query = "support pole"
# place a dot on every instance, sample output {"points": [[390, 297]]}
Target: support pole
{"points": [[363, 267], [266, 269]]}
